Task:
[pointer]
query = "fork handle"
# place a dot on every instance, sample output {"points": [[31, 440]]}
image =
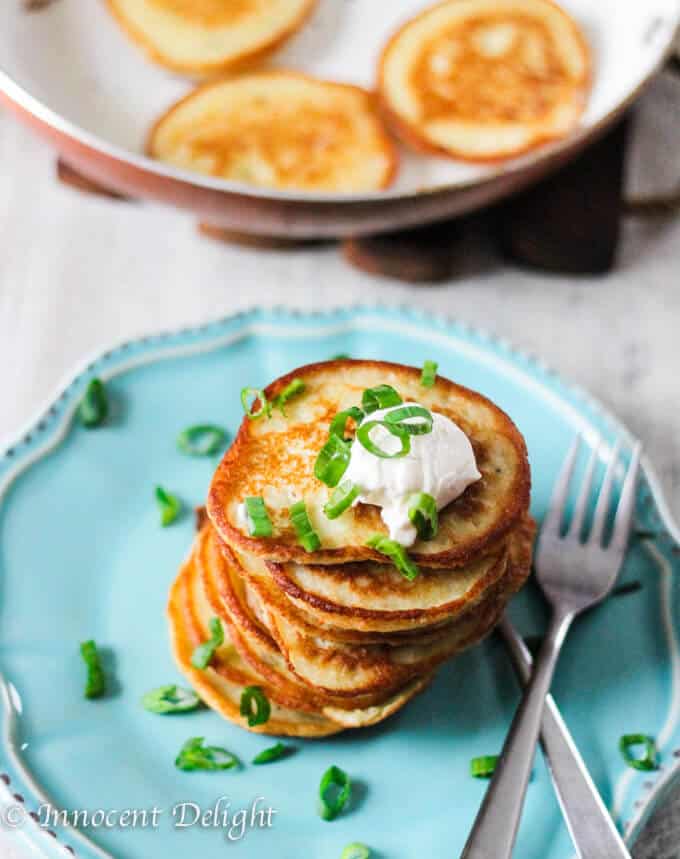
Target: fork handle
{"points": [[495, 828], [590, 825]]}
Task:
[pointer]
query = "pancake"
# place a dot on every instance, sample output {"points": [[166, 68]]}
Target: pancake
{"points": [[485, 79], [278, 129], [202, 37], [220, 686], [376, 597], [274, 458]]}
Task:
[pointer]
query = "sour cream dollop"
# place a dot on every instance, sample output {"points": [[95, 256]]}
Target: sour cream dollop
{"points": [[441, 463]]}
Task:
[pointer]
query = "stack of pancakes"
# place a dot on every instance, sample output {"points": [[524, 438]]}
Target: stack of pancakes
{"points": [[338, 638]]}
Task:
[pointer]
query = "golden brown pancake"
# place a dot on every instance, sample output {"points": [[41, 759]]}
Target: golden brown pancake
{"points": [[376, 597], [274, 458], [485, 79], [295, 712], [278, 129], [202, 37]]}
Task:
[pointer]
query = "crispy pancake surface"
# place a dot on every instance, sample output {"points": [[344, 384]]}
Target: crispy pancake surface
{"points": [[201, 37], [278, 129], [485, 79], [296, 709], [274, 458]]}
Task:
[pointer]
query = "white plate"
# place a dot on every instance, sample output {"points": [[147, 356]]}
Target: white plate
{"points": [[70, 69]]}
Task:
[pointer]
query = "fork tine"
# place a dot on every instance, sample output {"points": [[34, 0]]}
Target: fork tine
{"points": [[624, 512], [584, 495], [602, 508], [553, 518]]}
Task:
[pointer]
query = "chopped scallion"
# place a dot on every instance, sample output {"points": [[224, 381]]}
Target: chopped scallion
{"points": [[253, 695], [307, 536], [258, 396], [645, 762], [94, 406], [169, 505], [259, 523], [380, 397], [429, 374], [291, 390], [483, 767], [194, 755], [342, 497], [414, 420], [332, 461], [364, 438], [355, 851], [171, 699], [422, 511], [339, 422], [273, 753], [95, 685], [334, 791], [201, 440], [396, 553], [203, 654]]}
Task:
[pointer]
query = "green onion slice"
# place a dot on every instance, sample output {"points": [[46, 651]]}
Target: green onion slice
{"points": [[648, 760], [273, 753], [307, 536], [258, 395], [422, 511], [429, 374], [203, 654], [95, 685], [380, 397], [201, 440], [483, 767], [253, 695], [94, 406], [171, 699], [194, 755], [334, 791], [355, 851], [341, 356], [291, 390], [364, 438], [332, 461], [259, 523], [396, 553], [339, 422], [169, 505], [403, 418], [341, 498]]}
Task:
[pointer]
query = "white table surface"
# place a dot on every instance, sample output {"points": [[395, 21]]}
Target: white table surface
{"points": [[79, 273]]}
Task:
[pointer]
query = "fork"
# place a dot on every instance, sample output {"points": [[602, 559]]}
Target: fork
{"points": [[574, 574]]}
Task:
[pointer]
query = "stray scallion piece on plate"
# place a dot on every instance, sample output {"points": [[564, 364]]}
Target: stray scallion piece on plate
{"points": [[259, 523], [332, 461], [203, 654], [291, 390], [194, 755], [380, 397], [422, 512], [429, 374], [255, 706], [273, 753], [365, 440], [647, 760], [342, 497], [201, 440], [307, 536], [250, 396], [95, 685], [169, 506], [94, 406], [483, 767], [396, 553], [356, 851], [171, 699], [335, 789]]}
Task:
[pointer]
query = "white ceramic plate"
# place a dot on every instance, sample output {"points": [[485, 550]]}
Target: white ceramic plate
{"points": [[70, 70]]}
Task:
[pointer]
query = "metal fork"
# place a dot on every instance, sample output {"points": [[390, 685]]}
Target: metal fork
{"points": [[574, 575]]}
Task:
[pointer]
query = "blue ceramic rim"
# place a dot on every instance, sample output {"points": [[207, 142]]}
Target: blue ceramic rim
{"points": [[43, 433]]}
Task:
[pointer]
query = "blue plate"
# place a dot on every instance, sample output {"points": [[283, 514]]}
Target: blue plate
{"points": [[83, 556]]}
